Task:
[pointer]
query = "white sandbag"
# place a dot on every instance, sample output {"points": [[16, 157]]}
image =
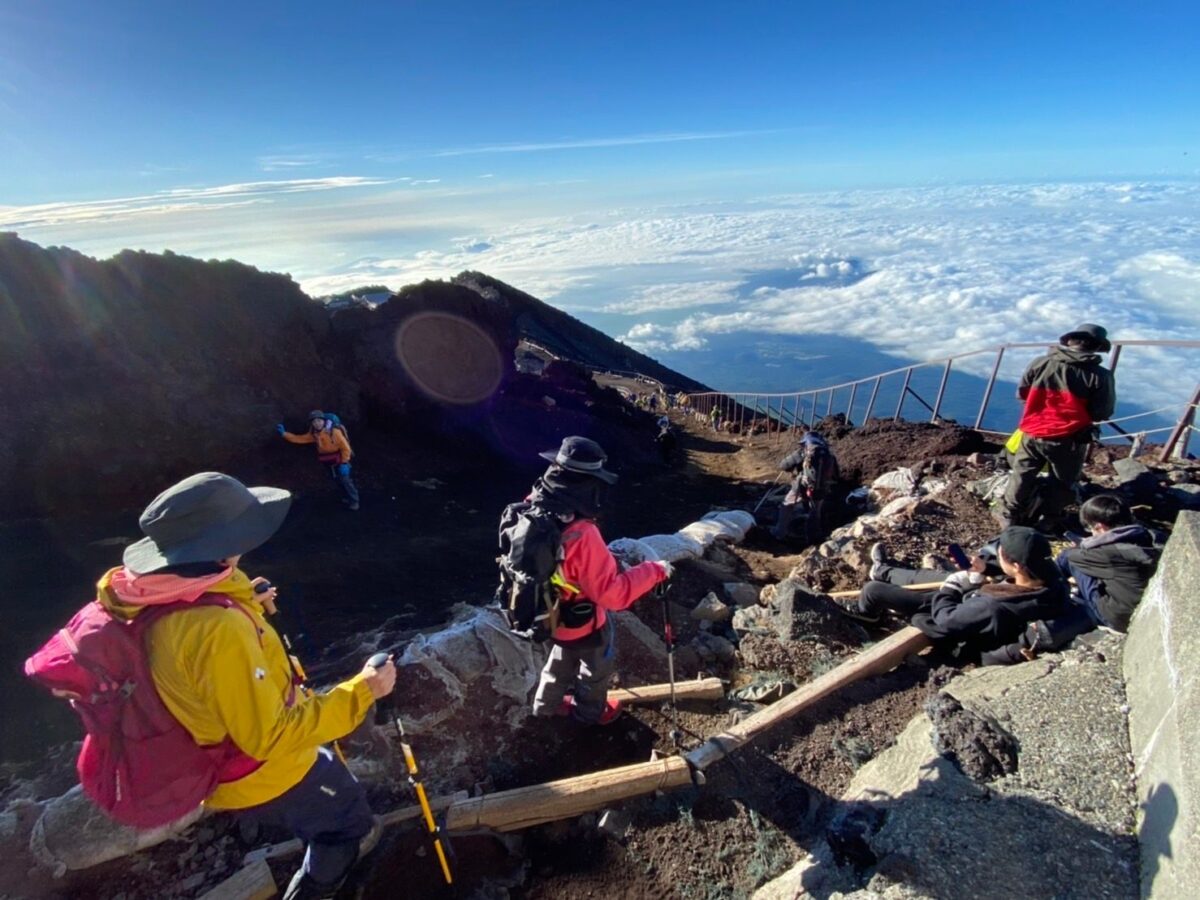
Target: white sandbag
{"points": [[631, 551], [674, 547]]}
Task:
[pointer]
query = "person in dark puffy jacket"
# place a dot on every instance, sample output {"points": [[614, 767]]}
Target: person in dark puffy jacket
{"points": [[1111, 568], [1066, 392], [815, 469]]}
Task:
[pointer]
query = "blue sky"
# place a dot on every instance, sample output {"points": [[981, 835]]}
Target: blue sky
{"points": [[920, 176], [100, 99]]}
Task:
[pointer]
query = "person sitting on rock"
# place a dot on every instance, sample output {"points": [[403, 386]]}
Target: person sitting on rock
{"points": [[223, 672], [666, 441], [333, 450], [1066, 392], [815, 471], [967, 610], [574, 681], [1111, 568]]}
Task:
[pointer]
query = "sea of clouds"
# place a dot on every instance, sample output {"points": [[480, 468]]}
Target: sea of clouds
{"points": [[918, 273]]}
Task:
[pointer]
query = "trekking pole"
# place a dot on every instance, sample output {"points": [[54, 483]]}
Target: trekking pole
{"points": [[385, 710], [768, 493], [669, 636], [298, 673]]}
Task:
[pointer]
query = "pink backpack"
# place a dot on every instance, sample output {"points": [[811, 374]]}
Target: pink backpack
{"points": [[138, 763]]}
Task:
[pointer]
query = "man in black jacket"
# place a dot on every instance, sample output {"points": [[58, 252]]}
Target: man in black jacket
{"points": [[1111, 568], [815, 469], [989, 615], [1066, 392]]}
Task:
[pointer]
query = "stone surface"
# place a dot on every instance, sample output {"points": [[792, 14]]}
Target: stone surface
{"points": [[912, 825], [1161, 665], [741, 594], [711, 609]]}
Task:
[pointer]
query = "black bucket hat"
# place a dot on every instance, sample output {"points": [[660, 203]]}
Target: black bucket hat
{"points": [[1097, 334], [579, 454], [205, 518], [316, 414]]}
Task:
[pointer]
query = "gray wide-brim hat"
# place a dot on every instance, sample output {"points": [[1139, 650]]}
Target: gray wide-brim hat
{"points": [[582, 455], [1097, 334], [205, 518]]}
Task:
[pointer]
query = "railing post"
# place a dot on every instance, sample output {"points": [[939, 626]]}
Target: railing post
{"points": [[1181, 429], [937, 404], [796, 414], [903, 393], [1114, 358], [850, 406], [742, 416], [871, 402], [987, 392], [829, 405]]}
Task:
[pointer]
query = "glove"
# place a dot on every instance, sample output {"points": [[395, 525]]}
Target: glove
{"points": [[667, 569], [280, 429], [343, 468], [961, 582]]}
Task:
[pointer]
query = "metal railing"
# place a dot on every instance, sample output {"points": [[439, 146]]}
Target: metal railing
{"points": [[779, 413]]}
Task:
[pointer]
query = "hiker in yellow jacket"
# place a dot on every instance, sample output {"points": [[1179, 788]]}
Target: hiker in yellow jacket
{"points": [[333, 449], [224, 673]]}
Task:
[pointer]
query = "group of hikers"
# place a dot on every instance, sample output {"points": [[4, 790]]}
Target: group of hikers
{"points": [[1015, 597], [225, 679]]}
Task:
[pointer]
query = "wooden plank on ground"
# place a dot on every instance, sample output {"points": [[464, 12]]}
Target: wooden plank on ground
{"points": [[251, 882], [396, 816], [927, 586], [698, 689], [881, 657], [541, 803]]}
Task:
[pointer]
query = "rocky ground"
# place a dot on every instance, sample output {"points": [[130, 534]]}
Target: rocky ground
{"points": [[751, 613]]}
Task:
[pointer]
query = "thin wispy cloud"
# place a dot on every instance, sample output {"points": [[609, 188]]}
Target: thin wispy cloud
{"points": [[284, 162], [594, 143], [172, 200]]}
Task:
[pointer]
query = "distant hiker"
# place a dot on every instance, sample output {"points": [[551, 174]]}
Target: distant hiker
{"points": [[666, 441], [590, 585], [229, 725], [714, 417], [652, 402], [1066, 392], [333, 450], [1111, 568], [815, 470]]}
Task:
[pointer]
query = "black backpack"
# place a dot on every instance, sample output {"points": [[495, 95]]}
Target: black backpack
{"points": [[530, 543]]}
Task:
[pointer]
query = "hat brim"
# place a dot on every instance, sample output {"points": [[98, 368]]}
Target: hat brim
{"points": [[249, 530], [604, 475], [1101, 346]]}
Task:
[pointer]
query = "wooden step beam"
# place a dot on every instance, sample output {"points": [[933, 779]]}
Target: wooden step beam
{"points": [[927, 586], [697, 689], [879, 658], [566, 798]]}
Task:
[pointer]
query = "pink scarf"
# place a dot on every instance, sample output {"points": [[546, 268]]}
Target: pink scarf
{"points": [[156, 589]]}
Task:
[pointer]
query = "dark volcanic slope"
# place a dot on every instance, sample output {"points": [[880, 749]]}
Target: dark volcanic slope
{"points": [[568, 337], [119, 376]]}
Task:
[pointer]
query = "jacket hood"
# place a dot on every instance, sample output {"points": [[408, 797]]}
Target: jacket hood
{"points": [[1076, 357], [1126, 534]]}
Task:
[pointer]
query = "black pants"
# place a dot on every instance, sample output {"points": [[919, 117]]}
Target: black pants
{"points": [[1028, 497], [878, 597]]}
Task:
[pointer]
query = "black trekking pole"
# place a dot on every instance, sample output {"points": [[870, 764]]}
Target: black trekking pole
{"points": [[669, 636], [298, 674], [385, 710]]}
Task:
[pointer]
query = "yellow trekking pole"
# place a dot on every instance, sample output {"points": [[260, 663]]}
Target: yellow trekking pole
{"points": [[383, 711]]}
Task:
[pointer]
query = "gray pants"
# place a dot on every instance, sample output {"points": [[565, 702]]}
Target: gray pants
{"points": [[582, 668], [1027, 498]]}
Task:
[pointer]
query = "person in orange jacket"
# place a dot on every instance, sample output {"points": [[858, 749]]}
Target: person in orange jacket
{"points": [[574, 681], [333, 450]]}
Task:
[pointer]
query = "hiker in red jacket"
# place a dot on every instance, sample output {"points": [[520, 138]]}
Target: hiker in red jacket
{"points": [[1066, 392], [582, 657]]}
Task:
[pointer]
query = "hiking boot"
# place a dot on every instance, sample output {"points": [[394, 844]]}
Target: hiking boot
{"points": [[849, 607], [612, 712], [879, 562]]}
